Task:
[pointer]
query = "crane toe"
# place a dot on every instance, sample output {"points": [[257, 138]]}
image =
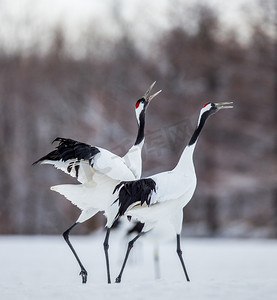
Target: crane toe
{"points": [[84, 275]]}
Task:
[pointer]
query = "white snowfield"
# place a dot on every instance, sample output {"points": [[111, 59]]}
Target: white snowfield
{"points": [[42, 267]]}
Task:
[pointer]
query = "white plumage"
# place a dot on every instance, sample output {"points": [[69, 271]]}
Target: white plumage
{"points": [[95, 193]]}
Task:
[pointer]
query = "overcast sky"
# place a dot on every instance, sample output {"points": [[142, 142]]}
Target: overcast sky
{"points": [[22, 19]]}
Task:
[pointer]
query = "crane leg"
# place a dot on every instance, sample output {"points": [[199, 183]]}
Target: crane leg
{"points": [[130, 246], [106, 248], [179, 252], [83, 272]]}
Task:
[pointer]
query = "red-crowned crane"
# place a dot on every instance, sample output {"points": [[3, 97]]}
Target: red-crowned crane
{"points": [[160, 198], [99, 171]]}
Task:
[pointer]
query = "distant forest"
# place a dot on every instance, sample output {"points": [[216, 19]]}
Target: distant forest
{"points": [[91, 98]]}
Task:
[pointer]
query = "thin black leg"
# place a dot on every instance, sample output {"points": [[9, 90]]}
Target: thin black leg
{"points": [[179, 252], [130, 246], [106, 248], [83, 272]]}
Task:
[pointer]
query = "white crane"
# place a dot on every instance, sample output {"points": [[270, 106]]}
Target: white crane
{"points": [[99, 171], [160, 198]]}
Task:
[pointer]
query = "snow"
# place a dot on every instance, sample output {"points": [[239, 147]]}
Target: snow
{"points": [[42, 267]]}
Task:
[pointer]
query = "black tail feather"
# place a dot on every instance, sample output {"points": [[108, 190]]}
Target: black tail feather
{"points": [[131, 192]]}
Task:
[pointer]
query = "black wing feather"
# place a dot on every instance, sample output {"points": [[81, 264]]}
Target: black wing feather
{"points": [[69, 149], [131, 192]]}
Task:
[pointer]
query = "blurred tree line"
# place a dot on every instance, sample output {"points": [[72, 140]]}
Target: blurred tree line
{"points": [[91, 98]]}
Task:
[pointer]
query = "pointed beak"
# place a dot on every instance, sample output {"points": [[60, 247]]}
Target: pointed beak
{"points": [[151, 97], [146, 95], [223, 105]]}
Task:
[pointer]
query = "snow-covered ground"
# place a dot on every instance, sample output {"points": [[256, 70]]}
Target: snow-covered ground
{"points": [[42, 267]]}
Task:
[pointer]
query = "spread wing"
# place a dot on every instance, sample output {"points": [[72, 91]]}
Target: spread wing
{"points": [[85, 162]]}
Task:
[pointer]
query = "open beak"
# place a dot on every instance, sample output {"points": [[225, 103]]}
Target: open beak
{"points": [[146, 95], [223, 105]]}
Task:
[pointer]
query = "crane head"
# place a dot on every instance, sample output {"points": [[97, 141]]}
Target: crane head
{"points": [[212, 108], [142, 103]]}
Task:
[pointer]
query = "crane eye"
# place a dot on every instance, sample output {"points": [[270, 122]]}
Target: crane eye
{"points": [[206, 104]]}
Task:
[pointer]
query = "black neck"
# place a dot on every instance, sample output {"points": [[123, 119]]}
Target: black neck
{"points": [[197, 131], [141, 124]]}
